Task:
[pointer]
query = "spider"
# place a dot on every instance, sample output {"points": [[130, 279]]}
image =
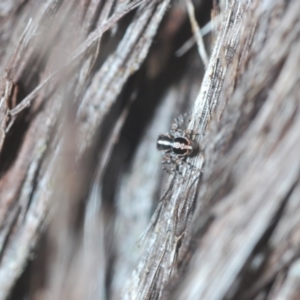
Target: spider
{"points": [[176, 146]]}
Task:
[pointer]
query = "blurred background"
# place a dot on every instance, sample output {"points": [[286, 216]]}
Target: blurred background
{"points": [[91, 86], [86, 211]]}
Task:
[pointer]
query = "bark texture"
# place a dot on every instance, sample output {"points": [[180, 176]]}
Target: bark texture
{"points": [[86, 211]]}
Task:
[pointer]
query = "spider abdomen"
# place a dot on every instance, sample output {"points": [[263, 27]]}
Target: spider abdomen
{"points": [[180, 146], [165, 142]]}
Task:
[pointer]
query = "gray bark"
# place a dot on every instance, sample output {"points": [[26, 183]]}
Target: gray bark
{"points": [[86, 211]]}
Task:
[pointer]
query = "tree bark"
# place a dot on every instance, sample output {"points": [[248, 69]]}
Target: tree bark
{"points": [[86, 211]]}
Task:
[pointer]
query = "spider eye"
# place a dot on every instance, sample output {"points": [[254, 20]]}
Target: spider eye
{"points": [[182, 141], [180, 146]]}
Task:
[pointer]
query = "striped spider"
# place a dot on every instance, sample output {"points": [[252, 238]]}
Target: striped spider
{"points": [[176, 146]]}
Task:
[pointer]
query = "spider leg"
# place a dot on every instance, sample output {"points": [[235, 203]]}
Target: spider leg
{"points": [[183, 163], [168, 163], [176, 127], [178, 122], [177, 165], [191, 133]]}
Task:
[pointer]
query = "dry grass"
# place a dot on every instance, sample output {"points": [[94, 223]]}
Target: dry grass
{"points": [[85, 209]]}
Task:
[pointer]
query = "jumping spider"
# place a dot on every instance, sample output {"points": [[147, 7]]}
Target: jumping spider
{"points": [[176, 146]]}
